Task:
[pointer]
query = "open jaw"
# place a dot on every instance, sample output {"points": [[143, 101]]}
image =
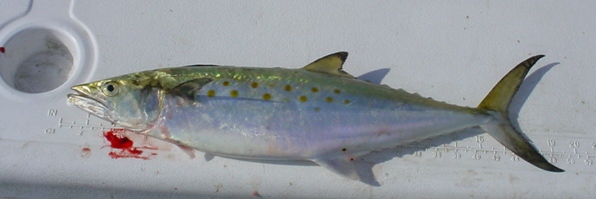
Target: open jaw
{"points": [[89, 104]]}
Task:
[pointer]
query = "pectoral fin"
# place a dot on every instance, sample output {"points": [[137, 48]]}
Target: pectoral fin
{"points": [[342, 166], [188, 150], [330, 64], [190, 88]]}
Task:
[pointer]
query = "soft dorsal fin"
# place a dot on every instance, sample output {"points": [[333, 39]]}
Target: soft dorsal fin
{"points": [[330, 64]]}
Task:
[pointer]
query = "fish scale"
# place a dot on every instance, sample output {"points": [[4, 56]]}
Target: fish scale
{"points": [[318, 113]]}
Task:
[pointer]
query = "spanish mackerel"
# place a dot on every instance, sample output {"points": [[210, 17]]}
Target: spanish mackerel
{"points": [[318, 113]]}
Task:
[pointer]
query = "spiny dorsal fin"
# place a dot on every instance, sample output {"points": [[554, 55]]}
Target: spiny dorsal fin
{"points": [[330, 64], [202, 65]]}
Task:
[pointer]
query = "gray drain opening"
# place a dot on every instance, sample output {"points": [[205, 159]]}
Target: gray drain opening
{"points": [[37, 60]]}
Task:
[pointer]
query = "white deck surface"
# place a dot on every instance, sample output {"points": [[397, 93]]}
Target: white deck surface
{"points": [[453, 51]]}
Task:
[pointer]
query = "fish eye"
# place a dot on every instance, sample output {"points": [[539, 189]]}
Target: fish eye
{"points": [[109, 88]]}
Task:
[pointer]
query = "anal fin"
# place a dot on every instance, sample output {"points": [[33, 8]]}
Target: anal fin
{"points": [[342, 166]]}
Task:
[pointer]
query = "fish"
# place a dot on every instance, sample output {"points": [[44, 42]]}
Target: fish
{"points": [[317, 113]]}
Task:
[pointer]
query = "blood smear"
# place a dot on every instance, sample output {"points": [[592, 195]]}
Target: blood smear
{"points": [[85, 152], [2, 50], [256, 194], [118, 139], [123, 146]]}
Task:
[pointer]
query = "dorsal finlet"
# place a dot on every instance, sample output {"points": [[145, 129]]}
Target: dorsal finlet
{"points": [[330, 64]]}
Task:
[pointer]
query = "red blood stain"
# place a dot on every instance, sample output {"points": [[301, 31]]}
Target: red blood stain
{"points": [[256, 194], [117, 139], [2, 50], [124, 146], [85, 152]]}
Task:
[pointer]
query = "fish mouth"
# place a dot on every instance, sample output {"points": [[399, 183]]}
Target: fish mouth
{"points": [[83, 99]]}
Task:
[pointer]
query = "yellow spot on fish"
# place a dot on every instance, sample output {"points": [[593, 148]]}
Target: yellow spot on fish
{"points": [[254, 85], [336, 91], [346, 101], [315, 89], [329, 99], [234, 93], [303, 98], [266, 96], [288, 88], [226, 83], [211, 93], [317, 109]]}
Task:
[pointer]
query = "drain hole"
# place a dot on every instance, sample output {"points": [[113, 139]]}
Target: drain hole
{"points": [[37, 60]]}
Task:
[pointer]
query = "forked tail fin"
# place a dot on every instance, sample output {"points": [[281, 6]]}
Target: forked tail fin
{"points": [[497, 103]]}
